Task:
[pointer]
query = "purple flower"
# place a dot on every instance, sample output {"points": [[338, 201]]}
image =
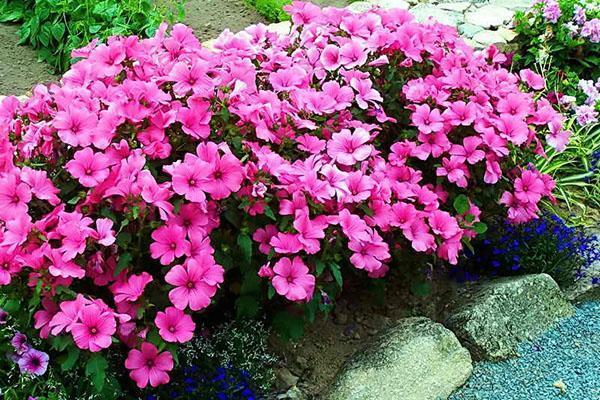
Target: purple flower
{"points": [[34, 362], [586, 115], [3, 316], [19, 342], [552, 11], [579, 16], [591, 30]]}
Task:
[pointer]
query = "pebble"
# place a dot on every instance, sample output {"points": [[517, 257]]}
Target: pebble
{"points": [[469, 30], [552, 367], [460, 6], [359, 6]]}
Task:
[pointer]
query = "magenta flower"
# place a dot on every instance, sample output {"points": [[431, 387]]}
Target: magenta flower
{"points": [[149, 366], [292, 279], [174, 325], [95, 329], [427, 120], [169, 243], [88, 167], [195, 283], [33, 362], [348, 148]]}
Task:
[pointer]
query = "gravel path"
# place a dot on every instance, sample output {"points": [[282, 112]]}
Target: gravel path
{"points": [[562, 364]]}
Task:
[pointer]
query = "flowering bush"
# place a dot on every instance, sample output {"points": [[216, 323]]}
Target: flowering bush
{"points": [[545, 245], [156, 165]]}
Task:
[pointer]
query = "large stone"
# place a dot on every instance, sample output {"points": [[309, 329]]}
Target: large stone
{"points": [[583, 289], [359, 6], [493, 317], [469, 30], [425, 12], [460, 6], [489, 16], [512, 4], [487, 38], [415, 359], [389, 4]]}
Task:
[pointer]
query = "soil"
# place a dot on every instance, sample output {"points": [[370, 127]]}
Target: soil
{"points": [[19, 68], [359, 315], [209, 18]]}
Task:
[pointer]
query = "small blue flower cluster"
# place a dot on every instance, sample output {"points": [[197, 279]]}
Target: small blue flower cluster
{"points": [[545, 245], [224, 383]]}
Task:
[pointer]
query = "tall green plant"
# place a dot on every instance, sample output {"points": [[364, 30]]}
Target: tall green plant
{"points": [[576, 171]]}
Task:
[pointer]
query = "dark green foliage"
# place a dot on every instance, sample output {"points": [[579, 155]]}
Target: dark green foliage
{"points": [[56, 27]]}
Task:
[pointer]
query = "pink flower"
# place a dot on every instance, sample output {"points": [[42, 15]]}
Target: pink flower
{"points": [[263, 236], [532, 79], [88, 167], [292, 279], [196, 282], [104, 233], [174, 325], [330, 57], [14, 196], [224, 176], [455, 170], [132, 289], [75, 125], [368, 255], [95, 329], [187, 178], [512, 128], [443, 224], [469, 150], [348, 148], [529, 188], [169, 243], [149, 366], [427, 120], [460, 113]]}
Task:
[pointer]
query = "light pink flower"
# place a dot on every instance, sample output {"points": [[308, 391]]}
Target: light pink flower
{"points": [[195, 283], [174, 325], [293, 280], [149, 366], [88, 167]]}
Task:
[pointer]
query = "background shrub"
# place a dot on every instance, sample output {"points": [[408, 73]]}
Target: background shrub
{"points": [[56, 27], [272, 10]]}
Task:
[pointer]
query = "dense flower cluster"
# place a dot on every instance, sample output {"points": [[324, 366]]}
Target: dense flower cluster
{"points": [[586, 111], [581, 25], [545, 245], [352, 133]]}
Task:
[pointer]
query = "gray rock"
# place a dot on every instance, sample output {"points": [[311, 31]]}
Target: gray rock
{"points": [[487, 38], [285, 379], [389, 4], [359, 6], [493, 317], [583, 290], [292, 394], [489, 16], [512, 4], [423, 12], [415, 359], [460, 6], [469, 30]]}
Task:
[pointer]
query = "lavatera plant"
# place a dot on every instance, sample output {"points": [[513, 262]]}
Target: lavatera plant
{"points": [[158, 171]]}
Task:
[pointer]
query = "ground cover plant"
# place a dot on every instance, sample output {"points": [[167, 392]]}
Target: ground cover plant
{"points": [[544, 245], [159, 179], [272, 10], [56, 27]]}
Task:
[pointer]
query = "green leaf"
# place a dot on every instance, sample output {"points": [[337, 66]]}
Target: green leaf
{"points": [[320, 267], [58, 30], [124, 261], [420, 289], [245, 244], [289, 326], [480, 227], [247, 306], [95, 370], [67, 361], [337, 273], [270, 292], [461, 204]]}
